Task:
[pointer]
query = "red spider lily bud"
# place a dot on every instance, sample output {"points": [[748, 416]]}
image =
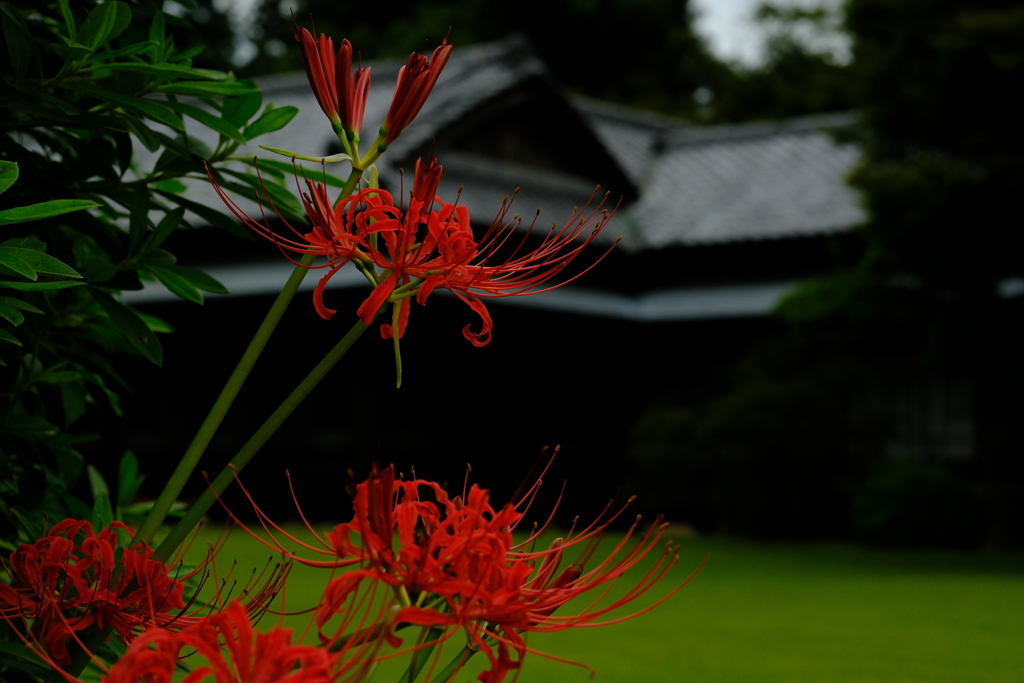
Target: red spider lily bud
{"points": [[415, 81], [379, 503], [318, 59], [550, 564], [352, 89], [568, 575], [425, 180]]}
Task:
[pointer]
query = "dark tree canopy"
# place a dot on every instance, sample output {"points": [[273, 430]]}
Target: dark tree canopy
{"points": [[644, 53]]}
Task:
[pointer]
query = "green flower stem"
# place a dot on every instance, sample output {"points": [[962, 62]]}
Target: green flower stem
{"points": [[396, 311], [242, 458], [202, 439], [421, 656], [220, 408], [453, 666]]}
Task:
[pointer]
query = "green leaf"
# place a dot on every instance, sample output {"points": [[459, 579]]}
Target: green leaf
{"points": [[18, 39], [211, 216], [188, 149], [207, 119], [238, 110], [187, 54], [167, 70], [201, 280], [131, 326], [164, 230], [72, 398], [112, 398], [39, 286], [19, 304], [172, 185], [40, 262], [31, 242], [149, 108], [11, 263], [128, 479], [8, 174], [35, 212], [61, 105], [97, 484], [98, 25], [272, 120], [8, 337], [12, 315], [159, 257], [177, 284], [125, 52], [123, 149], [138, 219], [207, 88], [121, 20], [155, 324], [102, 513], [148, 139], [99, 269], [157, 30], [73, 51], [281, 197], [287, 168], [20, 656], [69, 19]]}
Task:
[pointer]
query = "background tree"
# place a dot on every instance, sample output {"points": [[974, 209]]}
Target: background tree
{"points": [[931, 290], [91, 197]]}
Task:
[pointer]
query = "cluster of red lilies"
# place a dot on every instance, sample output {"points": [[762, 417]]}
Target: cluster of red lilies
{"points": [[428, 245], [73, 579], [454, 565], [414, 556]]}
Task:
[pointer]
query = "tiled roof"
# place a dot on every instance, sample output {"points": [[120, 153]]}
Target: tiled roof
{"points": [[748, 182], [697, 184]]}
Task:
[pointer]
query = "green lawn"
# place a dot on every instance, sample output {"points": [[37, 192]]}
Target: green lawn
{"points": [[815, 613]]}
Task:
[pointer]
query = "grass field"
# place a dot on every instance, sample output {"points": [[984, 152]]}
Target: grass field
{"points": [[794, 613]]}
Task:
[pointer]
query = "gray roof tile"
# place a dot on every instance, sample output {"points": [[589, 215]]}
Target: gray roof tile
{"points": [[698, 184]]}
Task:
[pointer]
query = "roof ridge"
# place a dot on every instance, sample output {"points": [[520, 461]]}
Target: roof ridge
{"points": [[684, 136], [624, 113]]}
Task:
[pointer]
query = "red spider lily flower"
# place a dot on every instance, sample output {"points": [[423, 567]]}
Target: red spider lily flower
{"points": [[473, 272], [428, 245], [337, 233], [64, 586], [61, 585], [456, 565], [231, 654], [415, 81]]}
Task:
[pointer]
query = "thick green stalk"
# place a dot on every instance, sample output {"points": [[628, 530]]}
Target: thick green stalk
{"points": [[421, 656], [220, 407], [453, 666], [202, 439], [242, 458]]}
